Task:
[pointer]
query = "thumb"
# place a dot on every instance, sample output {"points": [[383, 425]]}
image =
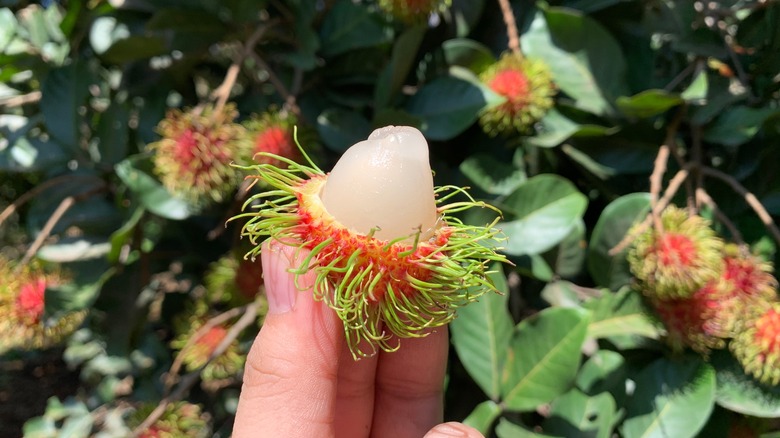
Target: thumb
{"points": [[452, 430], [290, 376]]}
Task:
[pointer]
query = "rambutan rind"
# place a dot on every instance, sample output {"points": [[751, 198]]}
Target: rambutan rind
{"points": [[675, 262], [381, 290], [757, 346]]}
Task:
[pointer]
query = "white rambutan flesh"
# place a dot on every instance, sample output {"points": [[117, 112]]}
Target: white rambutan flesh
{"points": [[384, 184]]}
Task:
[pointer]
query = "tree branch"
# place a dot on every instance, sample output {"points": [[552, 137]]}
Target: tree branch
{"points": [[511, 27]]}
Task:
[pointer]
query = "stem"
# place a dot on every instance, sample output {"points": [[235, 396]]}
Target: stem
{"points": [[511, 27], [22, 99], [250, 312], [702, 197], [61, 209], [222, 93], [749, 197]]}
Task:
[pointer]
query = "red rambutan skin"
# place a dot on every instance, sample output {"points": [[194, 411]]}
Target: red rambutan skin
{"points": [[154, 431], [513, 85], [276, 140], [30, 301], [197, 159], [768, 332], [392, 261], [211, 339], [249, 278], [676, 250]]}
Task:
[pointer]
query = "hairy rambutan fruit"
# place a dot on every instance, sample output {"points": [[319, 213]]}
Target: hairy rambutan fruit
{"points": [[413, 11], [676, 261], [273, 133], [198, 341], [527, 86], [388, 256], [180, 419], [234, 279], [757, 345], [22, 305], [193, 156]]}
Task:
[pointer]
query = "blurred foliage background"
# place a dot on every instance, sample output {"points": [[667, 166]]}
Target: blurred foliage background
{"points": [[126, 304]]}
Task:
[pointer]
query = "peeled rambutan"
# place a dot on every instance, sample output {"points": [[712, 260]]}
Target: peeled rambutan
{"points": [[179, 419], [388, 256], [272, 133], [22, 305], [757, 345], [526, 85], [675, 262], [413, 11], [193, 156]]}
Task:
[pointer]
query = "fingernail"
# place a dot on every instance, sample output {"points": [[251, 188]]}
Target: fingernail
{"points": [[279, 284], [453, 429]]}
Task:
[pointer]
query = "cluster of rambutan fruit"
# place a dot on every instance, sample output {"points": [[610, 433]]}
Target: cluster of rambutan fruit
{"points": [[194, 156], [708, 293]]}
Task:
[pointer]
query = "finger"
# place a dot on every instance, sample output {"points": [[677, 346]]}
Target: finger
{"points": [[355, 396], [452, 430], [290, 377], [409, 387]]}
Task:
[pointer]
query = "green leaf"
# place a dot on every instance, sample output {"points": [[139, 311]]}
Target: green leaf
{"points": [[586, 62], [576, 414], [620, 314], [8, 27], [481, 334], [105, 31], [135, 172], [568, 257], [402, 58], [494, 176], [186, 20], [450, 104], [741, 393], [507, 429], [468, 54], [340, 128], [697, 91], [21, 151], [81, 293], [555, 128], [134, 48], [604, 371], [648, 103], [64, 92], [671, 396], [617, 218], [123, 235], [544, 357], [483, 416], [543, 212], [738, 125], [349, 26], [112, 134]]}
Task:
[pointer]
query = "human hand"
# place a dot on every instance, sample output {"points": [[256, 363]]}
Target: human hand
{"points": [[301, 380]]}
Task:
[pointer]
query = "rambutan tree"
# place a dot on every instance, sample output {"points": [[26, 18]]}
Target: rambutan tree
{"points": [[610, 270]]}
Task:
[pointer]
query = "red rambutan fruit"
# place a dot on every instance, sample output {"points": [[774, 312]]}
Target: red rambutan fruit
{"points": [[193, 158], [22, 305], [413, 11], [526, 85], [757, 345], [388, 257], [675, 262], [198, 342], [272, 133]]}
